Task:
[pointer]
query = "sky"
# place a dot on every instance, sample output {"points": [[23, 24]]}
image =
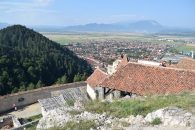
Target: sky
{"points": [[173, 13]]}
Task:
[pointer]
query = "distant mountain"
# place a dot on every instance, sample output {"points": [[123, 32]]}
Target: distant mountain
{"points": [[148, 26], [3, 25], [28, 60], [145, 26]]}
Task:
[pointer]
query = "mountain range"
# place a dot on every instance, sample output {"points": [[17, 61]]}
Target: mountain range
{"points": [[143, 26], [139, 26]]}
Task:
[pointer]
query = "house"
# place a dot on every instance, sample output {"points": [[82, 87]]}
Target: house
{"points": [[142, 78], [94, 80], [146, 79]]}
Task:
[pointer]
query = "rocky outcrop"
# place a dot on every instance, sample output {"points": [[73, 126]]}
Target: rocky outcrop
{"points": [[172, 118], [60, 116]]}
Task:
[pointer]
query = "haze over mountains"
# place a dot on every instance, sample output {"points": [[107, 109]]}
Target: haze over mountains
{"points": [[139, 26], [142, 26]]}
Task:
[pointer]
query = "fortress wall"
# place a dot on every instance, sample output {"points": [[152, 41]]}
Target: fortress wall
{"points": [[31, 96]]}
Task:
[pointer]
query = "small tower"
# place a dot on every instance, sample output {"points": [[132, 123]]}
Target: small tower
{"points": [[192, 54]]}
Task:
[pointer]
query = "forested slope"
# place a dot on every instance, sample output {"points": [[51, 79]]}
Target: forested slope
{"points": [[28, 60]]}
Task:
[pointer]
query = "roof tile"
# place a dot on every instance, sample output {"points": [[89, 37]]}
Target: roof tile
{"points": [[186, 63], [96, 78], [144, 79]]}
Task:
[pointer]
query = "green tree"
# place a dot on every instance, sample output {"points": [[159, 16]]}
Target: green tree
{"points": [[30, 86], [4, 78], [39, 84], [22, 88], [14, 90], [62, 80], [83, 77], [77, 77]]}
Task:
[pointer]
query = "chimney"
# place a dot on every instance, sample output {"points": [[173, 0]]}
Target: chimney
{"points": [[164, 64], [192, 54], [97, 67]]}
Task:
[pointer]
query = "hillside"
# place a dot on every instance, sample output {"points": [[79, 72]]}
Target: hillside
{"points": [[28, 60]]}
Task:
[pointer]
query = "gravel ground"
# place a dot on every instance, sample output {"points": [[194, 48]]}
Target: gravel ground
{"points": [[28, 111]]}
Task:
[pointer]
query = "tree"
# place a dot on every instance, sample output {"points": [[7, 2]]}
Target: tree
{"points": [[39, 84], [4, 78], [77, 78], [30, 86], [15, 90], [22, 88], [62, 80], [84, 77]]}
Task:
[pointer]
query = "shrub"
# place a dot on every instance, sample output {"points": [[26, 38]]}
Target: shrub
{"points": [[156, 121], [32, 118]]}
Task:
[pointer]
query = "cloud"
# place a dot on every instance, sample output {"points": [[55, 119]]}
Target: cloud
{"points": [[15, 7], [26, 11]]}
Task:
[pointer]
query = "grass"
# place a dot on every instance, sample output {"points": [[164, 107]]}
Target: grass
{"points": [[81, 125], [156, 121], [31, 128], [143, 106], [70, 102], [32, 118], [75, 112]]}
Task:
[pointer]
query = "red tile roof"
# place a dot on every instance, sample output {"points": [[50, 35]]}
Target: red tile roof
{"points": [[145, 79], [96, 78], [124, 62], [186, 63]]}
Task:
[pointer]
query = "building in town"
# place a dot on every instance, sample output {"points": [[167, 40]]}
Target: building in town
{"points": [[142, 78]]}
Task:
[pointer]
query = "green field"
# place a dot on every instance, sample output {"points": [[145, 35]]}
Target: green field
{"points": [[185, 48], [74, 38], [65, 38]]}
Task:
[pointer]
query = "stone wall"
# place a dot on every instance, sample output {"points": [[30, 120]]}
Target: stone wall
{"points": [[63, 98], [32, 96], [27, 125], [91, 92]]}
